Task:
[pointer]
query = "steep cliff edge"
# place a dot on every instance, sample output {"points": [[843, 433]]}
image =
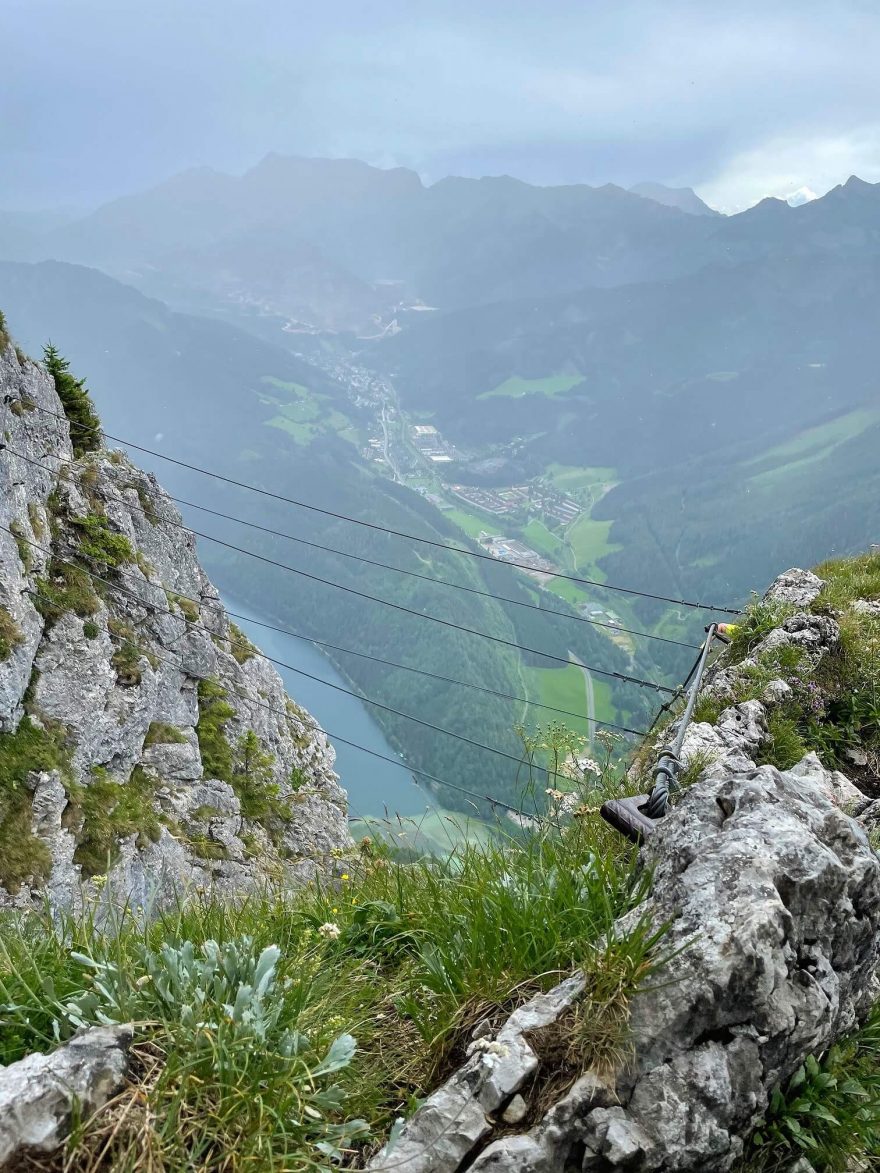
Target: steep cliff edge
{"points": [[144, 746]]}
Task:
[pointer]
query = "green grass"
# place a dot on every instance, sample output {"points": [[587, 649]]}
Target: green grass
{"points": [[299, 390], [602, 695], [570, 591], [810, 445], [302, 414], [516, 387], [29, 748], [570, 478], [10, 635], [540, 538], [160, 733], [436, 832], [562, 688], [589, 542], [848, 579], [112, 810], [386, 971], [299, 420], [472, 525]]}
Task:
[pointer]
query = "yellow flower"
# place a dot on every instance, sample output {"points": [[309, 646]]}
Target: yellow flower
{"points": [[345, 875]]}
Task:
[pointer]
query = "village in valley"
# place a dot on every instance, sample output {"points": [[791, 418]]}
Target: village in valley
{"points": [[534, 524]]}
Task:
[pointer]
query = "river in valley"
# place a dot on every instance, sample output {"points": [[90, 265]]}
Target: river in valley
{"points": [[375, 787]]}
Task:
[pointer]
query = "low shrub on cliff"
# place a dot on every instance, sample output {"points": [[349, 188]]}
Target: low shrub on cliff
{"points": [[28, 748], [101, 544], [65, 587], [85, 426], [829, 1111], [108, 811]]}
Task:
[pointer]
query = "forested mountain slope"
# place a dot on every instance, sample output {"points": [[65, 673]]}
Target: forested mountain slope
{"points": [[721, 399]]}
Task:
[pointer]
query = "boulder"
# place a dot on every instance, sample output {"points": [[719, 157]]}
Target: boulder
{"points": [[815, 634], [732, 742], [834, 784], [39, 1094], [796, 587]]}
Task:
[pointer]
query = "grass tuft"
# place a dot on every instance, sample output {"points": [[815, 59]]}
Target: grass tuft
{"points": [[160, 733], [402, 958], [11, 635], [30, 748], [758, 619], [110, 810]]}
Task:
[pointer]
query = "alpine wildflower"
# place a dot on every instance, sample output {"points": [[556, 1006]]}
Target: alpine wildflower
{"points": [[330, 930]]}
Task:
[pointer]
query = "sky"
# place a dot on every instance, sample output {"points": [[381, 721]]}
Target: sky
{"points": [[103, 97]]}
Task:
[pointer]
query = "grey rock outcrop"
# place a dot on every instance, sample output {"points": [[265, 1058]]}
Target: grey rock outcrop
{"points": [[773, 895], [108, 672], [795, 587], [812, 635], [732, 742], [39, 1094]]}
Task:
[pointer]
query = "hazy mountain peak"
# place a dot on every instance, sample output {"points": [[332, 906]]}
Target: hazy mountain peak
{"points": [[683, 198], [316, 171], [854, 183]]}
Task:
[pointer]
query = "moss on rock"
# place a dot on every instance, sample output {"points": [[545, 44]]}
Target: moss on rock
{"points": [[109, 811]]}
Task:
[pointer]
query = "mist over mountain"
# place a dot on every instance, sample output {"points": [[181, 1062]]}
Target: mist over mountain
{"points": [[639, 385], [439, 587], [338, 244]]}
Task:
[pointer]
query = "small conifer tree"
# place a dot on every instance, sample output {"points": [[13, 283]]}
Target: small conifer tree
{"points": [[85, 427]]}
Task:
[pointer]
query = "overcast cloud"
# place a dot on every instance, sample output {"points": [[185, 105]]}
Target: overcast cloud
{"points": [[101, 97]]}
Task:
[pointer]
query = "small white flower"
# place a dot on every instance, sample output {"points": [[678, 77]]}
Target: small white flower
{"points": [[589, 766], [554, 794], [569, 804], [329, 930]]}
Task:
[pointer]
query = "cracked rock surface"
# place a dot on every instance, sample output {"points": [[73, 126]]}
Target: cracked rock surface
{"points": [[39, 1094], [774, 899]]}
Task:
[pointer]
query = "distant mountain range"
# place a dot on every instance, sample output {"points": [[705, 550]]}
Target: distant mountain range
{"points": [[723, 367], [337, 244]]}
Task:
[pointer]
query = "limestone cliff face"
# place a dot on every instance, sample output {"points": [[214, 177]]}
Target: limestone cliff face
{"points": [[144, 746]]}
